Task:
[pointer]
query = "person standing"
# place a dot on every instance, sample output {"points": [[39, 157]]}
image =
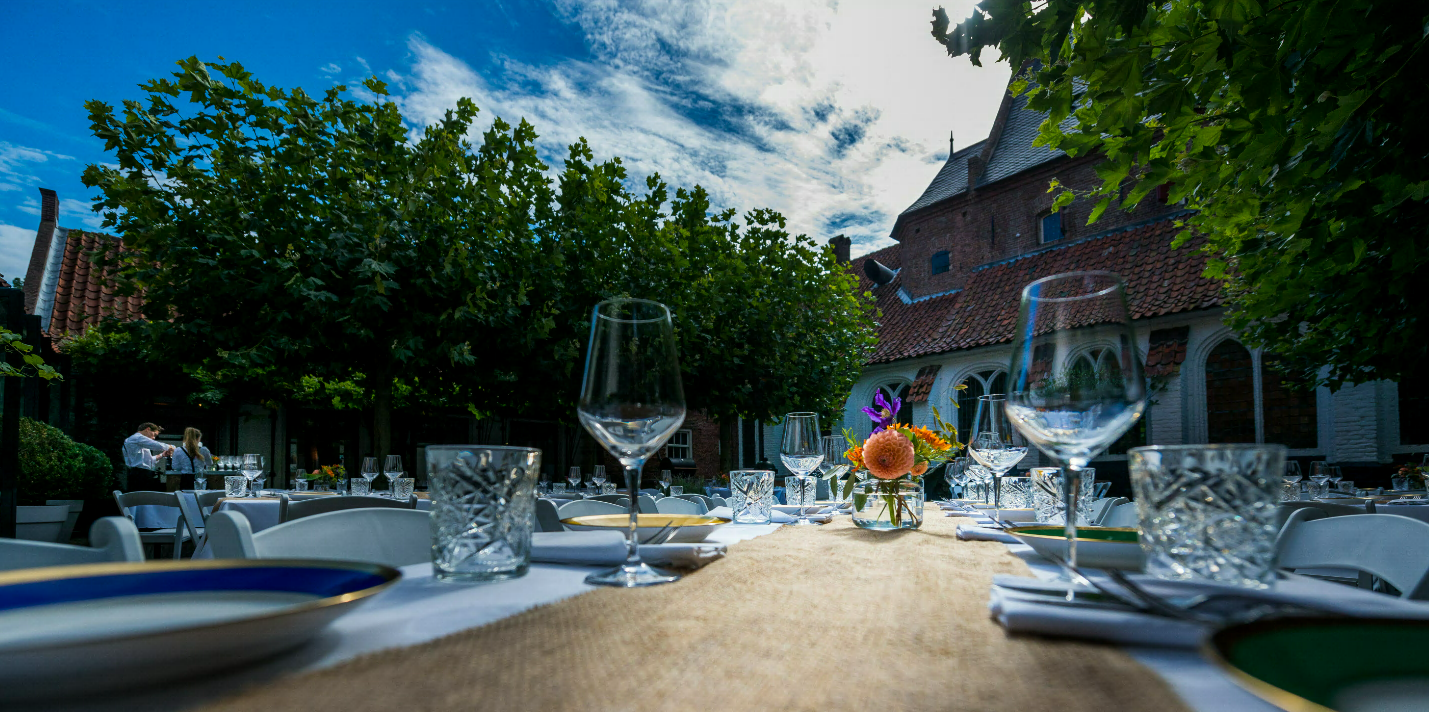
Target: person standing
{"points": [[139, 457], [190, 458]]}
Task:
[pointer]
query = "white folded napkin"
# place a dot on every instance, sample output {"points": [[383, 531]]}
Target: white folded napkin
{"points": [[776, 516], [608, 549], [1020, 611], [969, 532]]}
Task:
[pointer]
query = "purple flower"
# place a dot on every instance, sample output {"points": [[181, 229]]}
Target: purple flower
{"points": [[886, 414]]}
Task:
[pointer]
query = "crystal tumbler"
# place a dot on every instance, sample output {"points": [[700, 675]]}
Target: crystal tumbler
{"points": [[403, 487], [1047, 501], [751, 495], [483, 510], [235, 486], [361, 488], [800, 491], [1015, 492], [1208, 511]]}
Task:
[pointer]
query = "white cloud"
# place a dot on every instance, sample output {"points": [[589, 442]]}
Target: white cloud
{"points": [[16, 244], [16, 169], [73, 213], [838, 117], [331, 69]]}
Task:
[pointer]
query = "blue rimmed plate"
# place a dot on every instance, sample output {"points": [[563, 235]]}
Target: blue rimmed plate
{"points": [[74, 630]]}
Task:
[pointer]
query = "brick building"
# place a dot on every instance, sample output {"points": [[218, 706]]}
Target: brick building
{"points": [[949, 290]]}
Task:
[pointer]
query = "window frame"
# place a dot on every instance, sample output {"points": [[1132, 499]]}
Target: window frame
{"points": [[933, 262], [1042, 227], [688, 446]]}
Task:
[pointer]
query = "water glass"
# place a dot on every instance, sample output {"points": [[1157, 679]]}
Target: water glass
{"points": [[403, 487], [483, 510], [235, 486], [558, 488], [607, 488], [200, 483], [751, 495], [676, 490], [301, 484], [800, 491], [1208, 511], [1047, 500], [1289, 491], [1016, 492], [1347, 486], [361, 488]]}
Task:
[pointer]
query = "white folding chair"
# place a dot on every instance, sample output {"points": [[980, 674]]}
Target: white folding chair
{"points": [[718, 501], [1394, 548], [619, 499], [701, 499], [588, 507], [176, 535], [393, 537], [547, 520], [1098, 509], [1121, 515], [290, 509], [679, 505], [110, 539]]}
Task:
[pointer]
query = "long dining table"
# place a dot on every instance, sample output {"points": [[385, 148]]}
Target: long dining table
{"points": [[829, 617]]}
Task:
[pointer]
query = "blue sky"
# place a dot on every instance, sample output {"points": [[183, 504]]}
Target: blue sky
{"points": [[835, 112]]}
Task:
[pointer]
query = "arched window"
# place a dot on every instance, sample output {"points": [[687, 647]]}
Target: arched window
{"points": [[1230, 394], [899, 390], [1099, 366], [1290, 415], [978, 384]]}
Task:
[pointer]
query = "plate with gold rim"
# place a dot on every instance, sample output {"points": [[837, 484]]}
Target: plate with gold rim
{"points": [[1097, 547], [1311, 664], [693, 528], [76, 630]]}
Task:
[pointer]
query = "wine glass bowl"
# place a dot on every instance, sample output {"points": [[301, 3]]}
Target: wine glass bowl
{"points": [[800, 451], [1076, 382]]}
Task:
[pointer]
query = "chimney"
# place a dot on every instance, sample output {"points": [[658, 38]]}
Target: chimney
{"points": [[841, 245], [40, 255]]}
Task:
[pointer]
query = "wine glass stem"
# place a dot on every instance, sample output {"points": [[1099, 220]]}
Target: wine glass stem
{"points": [[632, 534], [1071, 488]]}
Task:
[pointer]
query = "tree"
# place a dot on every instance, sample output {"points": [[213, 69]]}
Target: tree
{"points": [[1290, 128], [309, 248], [276, 236]]}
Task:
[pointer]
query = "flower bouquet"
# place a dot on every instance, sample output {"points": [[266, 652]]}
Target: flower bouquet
{"points": [[327, 476], [1409, 477], [895, 456]]}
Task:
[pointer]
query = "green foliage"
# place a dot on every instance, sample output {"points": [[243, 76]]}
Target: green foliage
{"points": [[314, 249], [52, 466], [1290, 127], [33, 365]]}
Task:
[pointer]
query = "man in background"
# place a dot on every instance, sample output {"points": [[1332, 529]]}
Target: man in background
{"points": [[140, 458]]}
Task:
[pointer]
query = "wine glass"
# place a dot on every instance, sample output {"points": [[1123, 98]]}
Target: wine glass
{"points": [[835, 465], [1076, 378], [953, 473], [1335, 476], [252, 467], [573, 478], [631, 402], [665, 479], [994, 443], [1319, 475], [800, 452], [369, 471], [597, 477], [1292, 471], [392, 469]]}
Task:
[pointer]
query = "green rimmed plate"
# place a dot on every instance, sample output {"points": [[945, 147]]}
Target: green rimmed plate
{"points": [[1097, 547], [1323, 664]]}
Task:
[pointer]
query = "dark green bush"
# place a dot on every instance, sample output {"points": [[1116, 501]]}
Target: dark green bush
{"points": [[52, 466]]}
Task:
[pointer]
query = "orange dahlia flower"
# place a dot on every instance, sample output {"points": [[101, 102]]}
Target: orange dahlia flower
{"points": [[931, 438], [888, 455]]}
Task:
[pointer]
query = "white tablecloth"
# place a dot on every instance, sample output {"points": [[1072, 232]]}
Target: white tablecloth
{"points": [[263, 513]]}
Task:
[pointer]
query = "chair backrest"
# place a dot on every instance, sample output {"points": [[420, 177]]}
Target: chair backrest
{"points": [[44, 522], [1301, 514], [619, 499], [207, 500], [1099, 509], [718, 501], [547, 519], [110, 538], [679, 505], [288, 510], [193, 518], [1122, 515], [125, 500], [646, 505], [1283, 512], [394, 537], [587, 507], [701, 499], [1391, 547]]}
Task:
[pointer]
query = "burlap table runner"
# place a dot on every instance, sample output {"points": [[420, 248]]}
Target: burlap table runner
{"points": [[807, 618]]}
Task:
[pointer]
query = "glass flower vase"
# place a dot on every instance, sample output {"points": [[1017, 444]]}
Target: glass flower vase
{"points": [[888, 504]]}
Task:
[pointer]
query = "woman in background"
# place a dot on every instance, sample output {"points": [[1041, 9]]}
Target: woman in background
{"points": [[192, 457]]}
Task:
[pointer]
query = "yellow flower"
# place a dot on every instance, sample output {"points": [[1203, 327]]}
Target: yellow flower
{"points": [[931, 438]]}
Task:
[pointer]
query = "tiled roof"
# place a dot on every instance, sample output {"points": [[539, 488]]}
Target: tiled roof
{"points": [[82, 295], [1167, 351], [951, 180], [923, 385], [4, 284], [1160, 281]]}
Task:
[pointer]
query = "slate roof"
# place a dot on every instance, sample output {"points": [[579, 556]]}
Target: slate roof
{"points": [[1013, 154], [1160, 281]]}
